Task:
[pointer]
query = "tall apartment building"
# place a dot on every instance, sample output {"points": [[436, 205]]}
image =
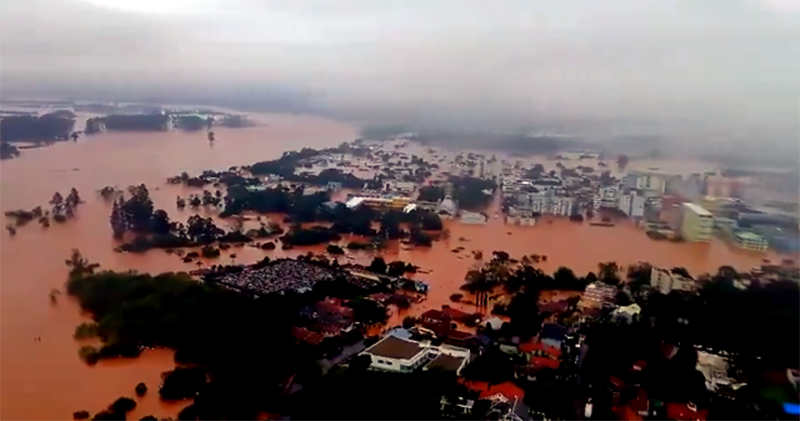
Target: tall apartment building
{"points": [[665, 281], [607, 197], [697, 224], [632, 204], [546, 202], [651, 182]]}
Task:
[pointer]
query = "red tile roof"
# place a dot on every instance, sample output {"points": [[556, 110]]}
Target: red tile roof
{"points": [[682, 411], [459, 335], [453, 313], [627, 413], [542, 362], [507, 389], [640, 401], [529, 347], [302, 334], [436, 315], [616, 382]]}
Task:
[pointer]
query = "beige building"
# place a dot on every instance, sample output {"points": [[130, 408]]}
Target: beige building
{"points": [[697, 224], [666, 281]]}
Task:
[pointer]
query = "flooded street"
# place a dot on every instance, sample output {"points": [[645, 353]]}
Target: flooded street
{"points": [[47, 380]]}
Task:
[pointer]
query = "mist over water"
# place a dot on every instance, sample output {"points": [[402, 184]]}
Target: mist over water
{"points": [[699, 73]]}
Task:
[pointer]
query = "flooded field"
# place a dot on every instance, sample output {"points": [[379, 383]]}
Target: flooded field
{"points": [[46, 380]]}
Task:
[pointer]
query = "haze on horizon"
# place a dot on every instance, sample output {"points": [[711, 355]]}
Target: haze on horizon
{"points": [[698, 71]]}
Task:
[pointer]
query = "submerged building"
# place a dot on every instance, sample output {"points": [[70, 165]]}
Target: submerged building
{"points": [[402, 355], [697, 224], [750, 241]]}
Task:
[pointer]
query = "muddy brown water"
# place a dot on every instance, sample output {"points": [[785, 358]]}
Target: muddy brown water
{"points": [[45, 379]]}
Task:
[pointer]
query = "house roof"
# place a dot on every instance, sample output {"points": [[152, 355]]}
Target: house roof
{"points": [[445, 362], [495, 323], [436, 315], [483, 339], [508, 389], [639, 402], [394, 347], [538, 346], [454, 313], [459, 335], [542, 362], [616, 382], [553, 307], [682, 411], [627, 413], [302, 334]]}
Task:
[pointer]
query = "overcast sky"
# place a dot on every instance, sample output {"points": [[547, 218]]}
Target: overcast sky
{"points": [[713, 68]]}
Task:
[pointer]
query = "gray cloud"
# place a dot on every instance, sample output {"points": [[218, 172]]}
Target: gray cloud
{"points": [[692, 69]]}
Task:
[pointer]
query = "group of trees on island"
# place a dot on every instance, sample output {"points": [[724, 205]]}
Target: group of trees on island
{"points": [[209, 327], [473, 193], [135, 213], [8, 151], [152, 228], [395, 269], [62, 209], [304, 208], [30, 128], [156, 120], [470, 193], [129, 122]]}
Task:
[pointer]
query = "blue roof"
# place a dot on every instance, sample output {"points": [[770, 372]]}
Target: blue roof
{"points": [[483, 339], [791, 408], [400, 332], [553, 331]]}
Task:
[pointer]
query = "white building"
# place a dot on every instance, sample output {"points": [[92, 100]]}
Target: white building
{"points": [[650, 182], [545, 202], [393, 353], [628, 313], [562, 206], [597, 294], [666, 281], [403, 186], [624, 204], [631, 204], [607, 197]]}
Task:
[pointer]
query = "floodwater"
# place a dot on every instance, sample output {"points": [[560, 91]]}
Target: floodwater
{"points": [[45, 379]]}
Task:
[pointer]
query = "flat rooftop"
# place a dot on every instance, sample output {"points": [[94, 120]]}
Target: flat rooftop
{"points": [[394, 347], [445, 362], [747, 235], [697, 209]]}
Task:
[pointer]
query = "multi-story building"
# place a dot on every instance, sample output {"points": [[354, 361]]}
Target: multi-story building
{"points": [[624, 204], [395, 203], [750, 241], [597, 294], [632, 204], [666, 281], [546, 203], [562, 206], [607, 197], [650, 182], [697, 224]]}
